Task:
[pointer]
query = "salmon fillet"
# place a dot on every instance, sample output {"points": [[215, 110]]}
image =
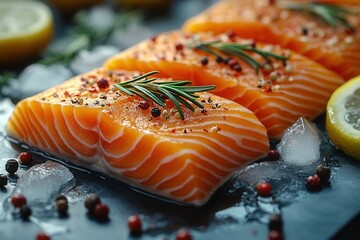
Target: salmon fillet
{"points": [[278, 96], [103, 129], [336, 48]]}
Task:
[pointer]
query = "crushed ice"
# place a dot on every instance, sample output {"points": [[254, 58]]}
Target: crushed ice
{"points": [[300, 144], [42, 183]]}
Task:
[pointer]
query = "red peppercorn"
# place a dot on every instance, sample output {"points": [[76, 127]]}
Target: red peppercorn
{"points": [[183, 234], [18, 200], [313, 183], [179, 46], [273, 155], [103, 83], [134, 224], [25, 157], [231, 34], [101, 211], [232, 63], [272, 2], [264, 189], [42, 236], [227, 60], [237, 68], [144, 105], [204, 61], [275, 235]]}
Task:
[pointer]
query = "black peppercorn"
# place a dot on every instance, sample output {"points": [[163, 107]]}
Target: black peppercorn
{"points": [[305, 31], [219, 59], [226, 60], [11, 166], [61, 197], [25, 212], [91, 201], [155, 112], [275, 222], [204, 61], [62, 206], [3, 180], [323, 173]]}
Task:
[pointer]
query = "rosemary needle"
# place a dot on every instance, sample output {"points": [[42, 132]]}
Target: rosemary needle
{"points": [[177, 91]]}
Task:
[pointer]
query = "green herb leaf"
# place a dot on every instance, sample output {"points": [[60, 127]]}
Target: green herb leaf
{"points": [[177, 91]]}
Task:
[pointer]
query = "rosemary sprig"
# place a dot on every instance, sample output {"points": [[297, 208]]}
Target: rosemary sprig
{"points": [[217, 48], [177, 91], [331, 14]]}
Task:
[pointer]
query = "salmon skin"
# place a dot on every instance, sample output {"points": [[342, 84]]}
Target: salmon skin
{"points": [[105, 130], [336, 48], [278, 95]]}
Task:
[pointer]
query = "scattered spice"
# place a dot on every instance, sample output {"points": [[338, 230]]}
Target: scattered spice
{"points": [[91, 201], [183, 234], [42, 236], [101, 211], [204, 61], [144, 105], [3, 180], [264, 189], [275, 235], [219, 59], [313, 183], [134, 224], [275, 222], [11, 166], [18, 200], [103, 83], [25, 212], [273, 155], [323, 172], [25, 157], [62, 206], [155, 112], [179, 46]]}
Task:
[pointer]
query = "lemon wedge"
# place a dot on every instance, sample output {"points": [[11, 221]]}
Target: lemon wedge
{"points": [[26, 28], [343, 118]]}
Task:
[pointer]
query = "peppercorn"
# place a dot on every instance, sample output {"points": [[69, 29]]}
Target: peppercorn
{"points": [[25, 157], [264, 189], [219, 59], [144, 105], [305, 31], [18, 200], [313, 183], [62, 206], [275, 235], [323, 173], [101, 211], [237, 68], [183, 234], [226, 60], [3, 180], [273, 155], [275, 222], [42, 236], [11, 166], [155, 112], [61, 197], [25, 212], [103, 83], [134, 224], [91, 201], [232, 63], [179, 46], [204, 61]]}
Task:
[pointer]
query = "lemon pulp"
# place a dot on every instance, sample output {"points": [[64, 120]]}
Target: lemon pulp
{"points": [[343, 118], [26, 28]]}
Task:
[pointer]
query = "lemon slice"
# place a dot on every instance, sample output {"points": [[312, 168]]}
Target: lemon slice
{"points": [[343, 118], [26, 28]]}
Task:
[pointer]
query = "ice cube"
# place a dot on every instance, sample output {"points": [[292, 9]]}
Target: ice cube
{"points": [[300, 144], [87, 60], [101, 17], [42, 183], [37, 78]]}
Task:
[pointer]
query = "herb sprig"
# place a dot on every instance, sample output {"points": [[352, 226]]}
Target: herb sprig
{"points": [[331, 14], [177, 91], [240, 51]]}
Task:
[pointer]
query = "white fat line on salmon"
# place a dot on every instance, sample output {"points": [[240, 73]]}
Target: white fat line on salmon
{"points": [[76, 136], [316, 75], [123, 157], [116, 136], [193, 192], [18, 123], [35, 127], [190, 152], [239, 141], [316, 85], [288, 104], [310, 95]]}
